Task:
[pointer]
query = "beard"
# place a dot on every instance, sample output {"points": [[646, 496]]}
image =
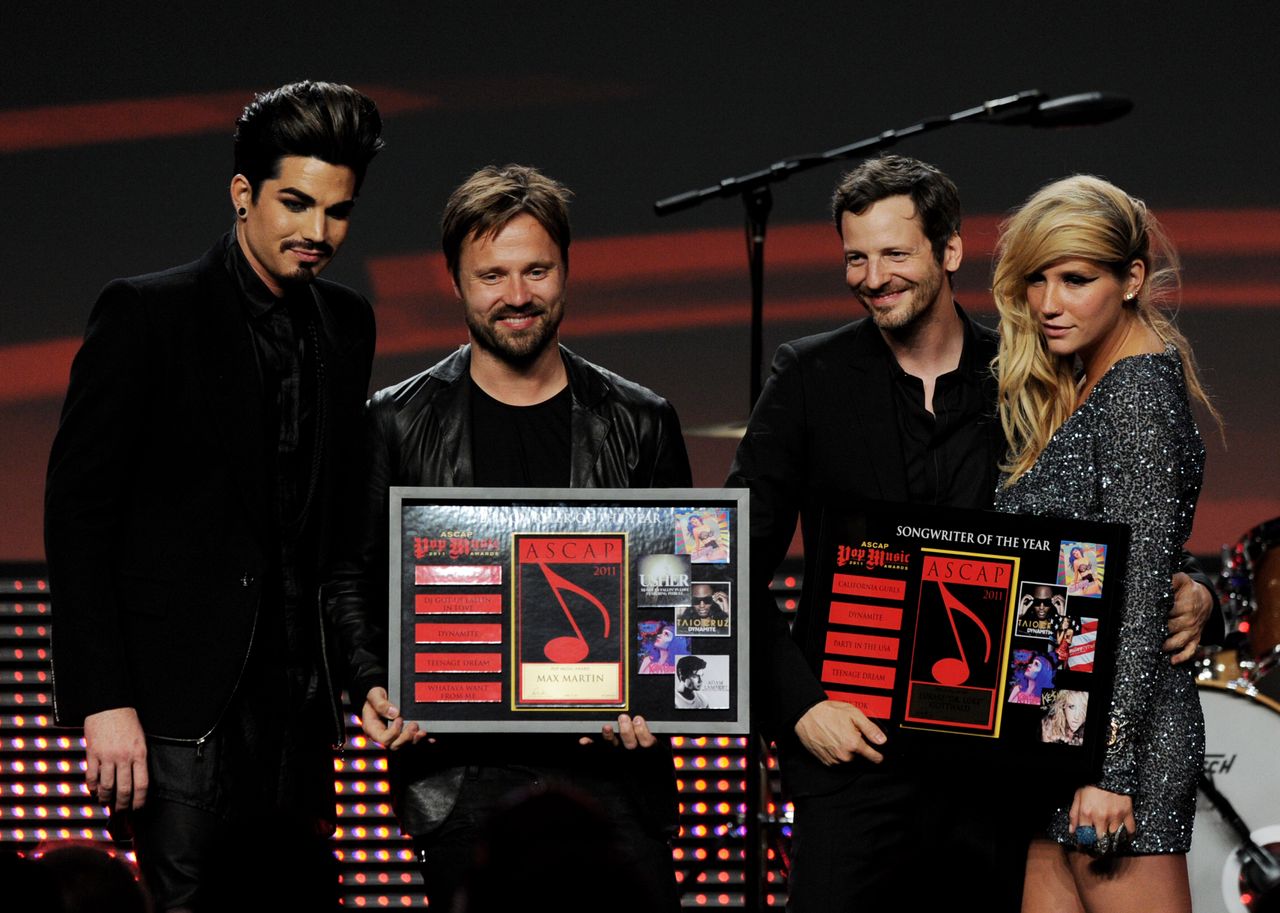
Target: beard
{"points": [[902, 316], [519, 349]]}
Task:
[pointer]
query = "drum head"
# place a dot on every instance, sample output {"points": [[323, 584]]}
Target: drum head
{"points": [[1242, 744]]}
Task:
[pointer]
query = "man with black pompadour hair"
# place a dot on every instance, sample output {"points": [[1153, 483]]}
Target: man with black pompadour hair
{"points": [[189, 507]]}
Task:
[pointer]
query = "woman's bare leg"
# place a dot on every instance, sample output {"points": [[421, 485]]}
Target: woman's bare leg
{"points": [[1132, 883], [1050, 886], [1065, 881]]}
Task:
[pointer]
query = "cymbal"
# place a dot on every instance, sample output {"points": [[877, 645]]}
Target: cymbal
{"points": [[731, 430]]}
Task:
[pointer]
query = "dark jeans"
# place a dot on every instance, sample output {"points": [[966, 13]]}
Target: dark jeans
{"points": [[893, 840], [238, 823], [635, 867]]}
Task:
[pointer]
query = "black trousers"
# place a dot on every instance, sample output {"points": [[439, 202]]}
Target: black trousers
{"points": [[242, 821], [906, 840]]}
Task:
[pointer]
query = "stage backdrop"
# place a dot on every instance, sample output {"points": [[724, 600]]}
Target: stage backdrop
{"points": [[115, 144]]}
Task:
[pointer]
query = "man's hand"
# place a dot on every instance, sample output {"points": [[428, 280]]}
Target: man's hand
{"points": [[835, 731], [382, 722], [1192, 604], [631, 733], [115, 753]]}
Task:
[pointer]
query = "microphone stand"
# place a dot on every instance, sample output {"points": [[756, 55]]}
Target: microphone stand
{"points": [[755, 188], [757, 196]]}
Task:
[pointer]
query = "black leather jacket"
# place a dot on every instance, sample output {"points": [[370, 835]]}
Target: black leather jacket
{"points": [[418, 433]]}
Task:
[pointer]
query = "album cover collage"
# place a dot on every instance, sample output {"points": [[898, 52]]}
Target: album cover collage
{"points": [[685, 611], [1054, 633]]}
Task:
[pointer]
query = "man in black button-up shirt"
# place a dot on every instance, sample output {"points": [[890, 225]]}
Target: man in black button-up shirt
{"points": [[897, 407]]}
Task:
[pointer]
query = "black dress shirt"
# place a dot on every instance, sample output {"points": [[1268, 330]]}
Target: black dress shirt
{"points": [[947, 452], [281, 673]]}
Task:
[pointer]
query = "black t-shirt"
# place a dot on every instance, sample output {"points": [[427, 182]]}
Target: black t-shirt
{"points": [[520, 446]]}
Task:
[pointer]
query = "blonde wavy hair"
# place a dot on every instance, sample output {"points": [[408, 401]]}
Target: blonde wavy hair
{"points": [[1081, 217]]}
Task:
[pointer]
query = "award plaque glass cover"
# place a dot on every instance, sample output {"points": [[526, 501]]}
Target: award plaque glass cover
{"points": [[558, 609]]}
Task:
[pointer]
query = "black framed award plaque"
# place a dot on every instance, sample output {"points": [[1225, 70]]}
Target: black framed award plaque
{"points": [[515, 610], [968, 632]]}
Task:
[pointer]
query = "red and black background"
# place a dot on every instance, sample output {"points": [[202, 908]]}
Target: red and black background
{"points": [[115, 156]]}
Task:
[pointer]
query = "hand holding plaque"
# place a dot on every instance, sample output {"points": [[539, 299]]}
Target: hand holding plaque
{"points": [[382, 722], [834, 732], [631, 733]]}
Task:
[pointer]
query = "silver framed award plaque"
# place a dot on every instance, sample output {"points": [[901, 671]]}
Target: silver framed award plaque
{"points": [[556, 610]]}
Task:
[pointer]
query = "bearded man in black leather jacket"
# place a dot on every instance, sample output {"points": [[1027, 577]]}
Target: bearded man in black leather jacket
{"points": [[513, 408]]}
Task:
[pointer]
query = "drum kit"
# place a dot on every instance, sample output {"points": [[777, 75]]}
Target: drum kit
{"points": [[1234, 865]]}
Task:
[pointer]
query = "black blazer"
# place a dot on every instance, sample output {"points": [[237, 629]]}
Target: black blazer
{"points": [[824, 426], [156, 519]]}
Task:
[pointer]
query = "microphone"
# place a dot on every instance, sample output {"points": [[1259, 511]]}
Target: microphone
{"points": [[1079, 110]]}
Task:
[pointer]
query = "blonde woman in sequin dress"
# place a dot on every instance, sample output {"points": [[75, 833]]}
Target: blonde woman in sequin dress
{"points": [[1093, 396]]}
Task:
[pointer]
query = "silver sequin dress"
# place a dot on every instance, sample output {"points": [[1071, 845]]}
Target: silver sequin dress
{"points": [[1131, 454]]}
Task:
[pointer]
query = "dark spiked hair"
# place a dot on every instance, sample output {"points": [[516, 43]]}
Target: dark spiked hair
{"points": [[324, 120]]}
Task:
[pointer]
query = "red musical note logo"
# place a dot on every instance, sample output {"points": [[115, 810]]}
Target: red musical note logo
{"points": [[570, 649], [951, 670]]}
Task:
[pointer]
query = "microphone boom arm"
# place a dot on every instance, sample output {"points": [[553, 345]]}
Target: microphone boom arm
{"points": [[998, 110]]}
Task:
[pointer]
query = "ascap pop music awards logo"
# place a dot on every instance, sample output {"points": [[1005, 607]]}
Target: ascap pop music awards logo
{"points": [[870, 556]]}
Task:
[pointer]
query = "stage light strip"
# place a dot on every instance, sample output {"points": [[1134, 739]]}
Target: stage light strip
{"points": [[706, 255], [406, 326], [43, 797], [134, 119], [131, 119]]}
